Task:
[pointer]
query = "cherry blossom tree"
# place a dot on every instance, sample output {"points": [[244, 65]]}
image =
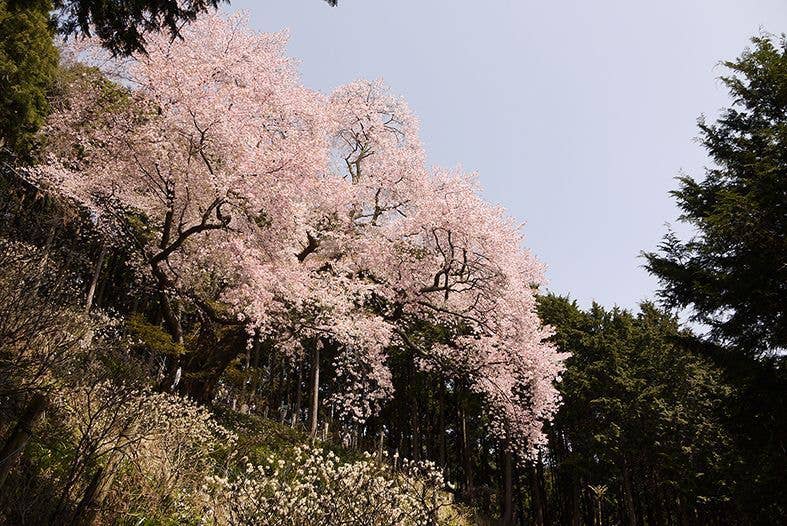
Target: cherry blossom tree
{"points": [[313, 222]]}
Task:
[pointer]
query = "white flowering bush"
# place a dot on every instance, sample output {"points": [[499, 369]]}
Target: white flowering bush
{"points": [[182, 442], [153, 448], [315, 488]]}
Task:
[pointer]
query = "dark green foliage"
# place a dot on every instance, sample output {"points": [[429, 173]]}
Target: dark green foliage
{"points": [[28, 62], [641, 415], [258, 437], [733, 271], [121, 26]]}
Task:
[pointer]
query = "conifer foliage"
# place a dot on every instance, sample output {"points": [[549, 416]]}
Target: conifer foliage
{"points": [[28, 63], [732, 273]]}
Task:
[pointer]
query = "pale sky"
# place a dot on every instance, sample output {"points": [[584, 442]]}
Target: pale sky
{"points": [[577, 115]]}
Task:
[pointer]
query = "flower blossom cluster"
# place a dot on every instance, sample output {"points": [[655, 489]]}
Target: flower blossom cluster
{"points": [[314, 487]]}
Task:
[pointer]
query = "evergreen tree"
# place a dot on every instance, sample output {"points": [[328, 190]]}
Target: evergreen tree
{"points": [[733, 272], [28, 63]]}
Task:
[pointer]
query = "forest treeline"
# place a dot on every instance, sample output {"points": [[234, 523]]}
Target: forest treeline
{"points": [[227, 299]]}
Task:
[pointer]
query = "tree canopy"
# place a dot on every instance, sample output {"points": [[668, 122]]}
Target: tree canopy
{"points": [[642, 416], [732, 273]]}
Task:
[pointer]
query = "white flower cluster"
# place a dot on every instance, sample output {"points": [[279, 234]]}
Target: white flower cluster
{"points": [[314, 487], [362, 385]]}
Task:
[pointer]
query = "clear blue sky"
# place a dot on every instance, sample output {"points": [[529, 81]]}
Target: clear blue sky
{"points": [[576, 114]]}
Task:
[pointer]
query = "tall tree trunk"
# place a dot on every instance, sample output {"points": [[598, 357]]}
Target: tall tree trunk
{"points": [[576, 501], [19, 436], [94, 281], [102, 287], [296, 414], [628, 495], [257, 378], [466, 456], [245, 402], [507, 517], [209, 356], [168, 309], [415, 426], [315, 405], [441, 427], [537, 494]]}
